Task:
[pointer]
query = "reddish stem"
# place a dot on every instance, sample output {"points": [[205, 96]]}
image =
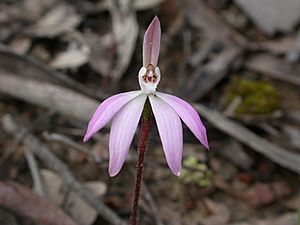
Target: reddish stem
{"points": [[146, 124]]}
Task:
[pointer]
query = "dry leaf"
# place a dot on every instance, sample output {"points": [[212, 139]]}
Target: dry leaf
{"points": [[101, 57], [137, 4], [286, 219], [125, 31], [267, 14], [61, 18], [293, 134], [36, 8], [279, 46], [209, 213], [21, 44], [25, 203], [221, 214], [104, 58], [146, 4], [75, 206], [77, 53], [262, 194]]}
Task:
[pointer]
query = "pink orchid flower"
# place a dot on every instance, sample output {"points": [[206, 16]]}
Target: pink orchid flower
{"points": [[125, 110]]}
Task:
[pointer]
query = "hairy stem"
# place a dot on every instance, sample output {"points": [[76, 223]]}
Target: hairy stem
{"points": [[146, 124]]}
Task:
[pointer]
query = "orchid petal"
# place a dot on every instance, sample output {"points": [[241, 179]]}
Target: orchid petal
{"points": [[106, 111], [123, 128], [188, 115], [170, 131], [151, 43]]}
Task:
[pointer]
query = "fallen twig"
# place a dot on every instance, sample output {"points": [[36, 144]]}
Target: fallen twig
{"points": [[203, 17], [274, 152], [14, 63], [24, 202], [147, 195], [18, 140], [74, 145], [43, 153], [274, 67], [233, 151], [36, 176], [53, 97], [294, 116], [198, 57], [204, 78], [294, 52]]}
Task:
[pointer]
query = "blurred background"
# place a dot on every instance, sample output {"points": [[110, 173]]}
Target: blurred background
{"points": [[237, 61]]}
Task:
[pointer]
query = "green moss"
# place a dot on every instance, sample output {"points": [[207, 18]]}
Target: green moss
{"points": [[257, 97], [194, 172]]}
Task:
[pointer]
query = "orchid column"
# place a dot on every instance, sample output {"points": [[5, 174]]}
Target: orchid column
{"points": [[126, 109]]}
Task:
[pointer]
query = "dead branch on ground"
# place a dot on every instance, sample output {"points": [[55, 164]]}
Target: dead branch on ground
{"points": [[24, 202]]}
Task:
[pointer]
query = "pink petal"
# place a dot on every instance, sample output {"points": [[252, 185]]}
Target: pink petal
{"points": [[123, 127], [106, 110], [151, 43], [170, 131], [189, 116]]}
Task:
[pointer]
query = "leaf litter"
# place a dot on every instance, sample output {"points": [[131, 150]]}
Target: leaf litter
{"points": [[80, 51]]}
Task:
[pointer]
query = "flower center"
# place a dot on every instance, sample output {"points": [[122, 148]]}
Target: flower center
{"points": [[150, 75], [149, 78]]}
